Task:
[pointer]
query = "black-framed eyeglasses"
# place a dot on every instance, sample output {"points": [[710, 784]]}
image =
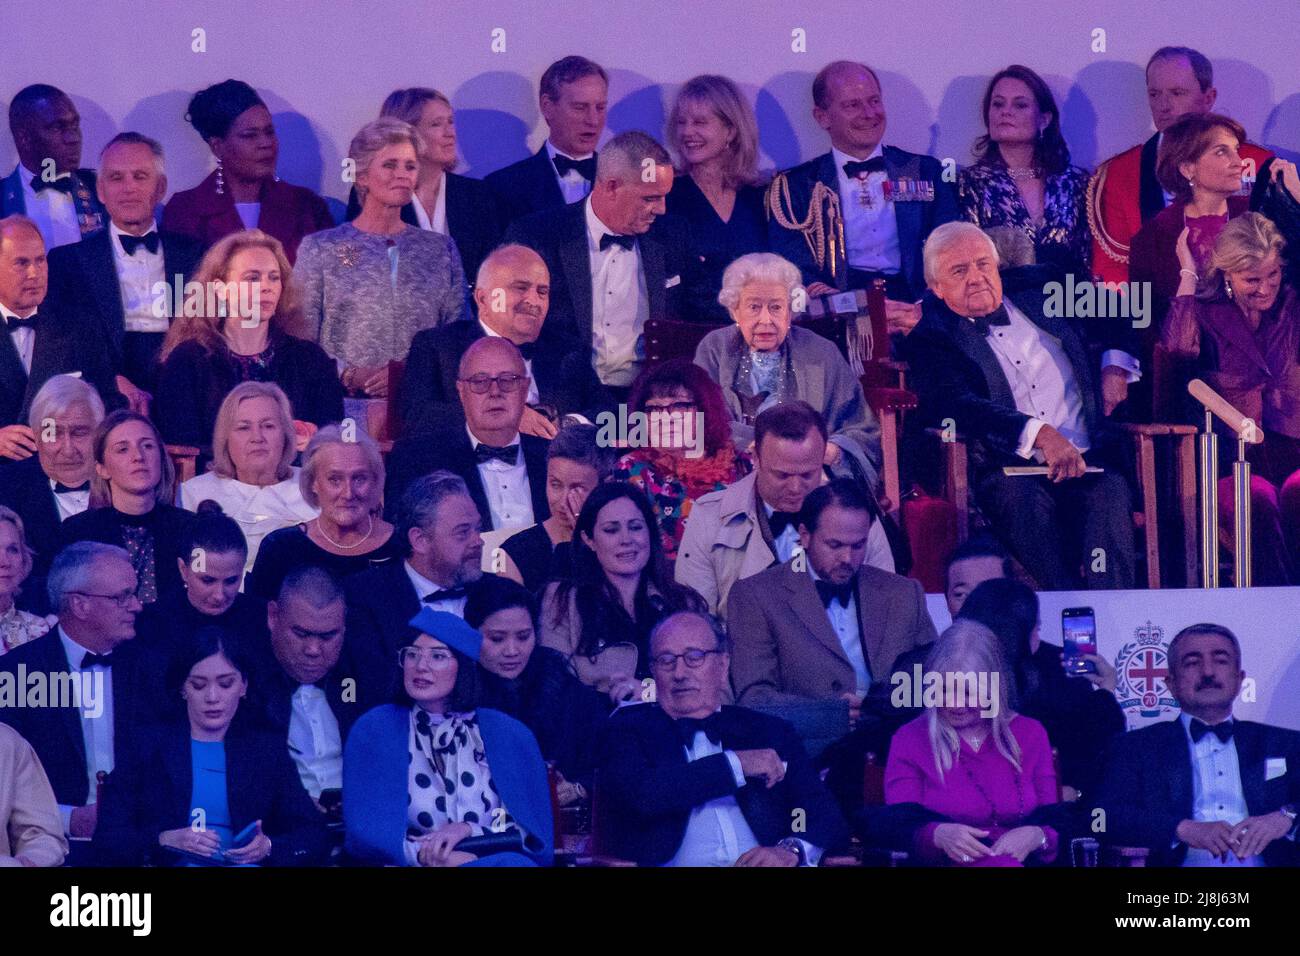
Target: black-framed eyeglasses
{"points": [[680, 408], [693, 658], [121, 600], [507, 381]]}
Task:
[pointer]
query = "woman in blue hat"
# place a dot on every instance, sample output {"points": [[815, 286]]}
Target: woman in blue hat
{"points": [[435, 780]]}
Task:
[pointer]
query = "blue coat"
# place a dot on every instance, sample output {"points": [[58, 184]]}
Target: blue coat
{"points": [[375, 765]]}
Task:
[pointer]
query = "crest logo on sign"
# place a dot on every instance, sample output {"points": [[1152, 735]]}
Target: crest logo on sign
{"points": [[1141, 677]]}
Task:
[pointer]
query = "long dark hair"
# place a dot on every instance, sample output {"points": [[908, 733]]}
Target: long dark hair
{"points": [[600, 609], [1050, 151], [667, 377]]}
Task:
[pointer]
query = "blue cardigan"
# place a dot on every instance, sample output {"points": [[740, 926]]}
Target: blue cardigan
{"points": [[376, 761]]}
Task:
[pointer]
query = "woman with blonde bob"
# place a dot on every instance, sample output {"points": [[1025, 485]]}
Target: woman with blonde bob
{"points": [[343, 477], [251, 475], [979, 768], [718, 189], [245, 327], [16, 559], [370, 284]]}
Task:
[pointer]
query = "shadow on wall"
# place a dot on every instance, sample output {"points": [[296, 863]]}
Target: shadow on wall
{"points": [[1244, 94], [1122, 87], [495, 113], [783, 107], [1283, 126], [959, 118], [642, 108]]}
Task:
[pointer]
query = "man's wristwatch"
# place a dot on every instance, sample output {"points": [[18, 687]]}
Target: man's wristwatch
{"points": [[1291, 811], [795, 847]]}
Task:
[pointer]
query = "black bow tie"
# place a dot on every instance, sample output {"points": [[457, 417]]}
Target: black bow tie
{"points": [[855, 168], [778, 521], [609, 239], [62, 489], [96, 660], [13, 324], [131, 243], [998, 316], [835, 592], [485, 453], [586, 168], [1200, 728], [445, 594], [688, 727], [63, 184]]}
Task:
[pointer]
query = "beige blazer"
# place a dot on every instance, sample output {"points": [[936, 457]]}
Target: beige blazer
{"points": [[784, 646], [615, 662], [30, 825]]}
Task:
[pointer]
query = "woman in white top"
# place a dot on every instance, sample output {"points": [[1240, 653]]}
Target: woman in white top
{"points": [[250, 477]]}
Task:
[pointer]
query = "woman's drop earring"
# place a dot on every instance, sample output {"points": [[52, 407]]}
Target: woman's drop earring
{"points": [[221, 181]]}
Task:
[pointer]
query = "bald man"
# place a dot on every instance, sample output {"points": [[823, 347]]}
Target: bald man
{"points": [[503, 467], [512, 296], [36, 344]]}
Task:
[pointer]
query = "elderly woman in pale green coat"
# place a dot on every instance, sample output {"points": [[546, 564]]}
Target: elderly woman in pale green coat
{"points": [[763, 361]]}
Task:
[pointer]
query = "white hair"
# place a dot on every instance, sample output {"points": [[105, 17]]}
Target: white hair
{"points": [[73, 567], [950, 233], [758, 267], [60, 393]]}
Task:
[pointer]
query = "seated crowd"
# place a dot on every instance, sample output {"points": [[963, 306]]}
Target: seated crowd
{"points": [[398, 541]]}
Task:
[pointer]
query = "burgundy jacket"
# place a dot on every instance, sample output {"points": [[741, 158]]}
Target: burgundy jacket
{"points": [[288, 213]]}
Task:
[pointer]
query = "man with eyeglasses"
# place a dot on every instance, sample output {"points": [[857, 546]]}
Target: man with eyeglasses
{"points": [[504, 470], [78, 733], [512, 294], [686, 781]]}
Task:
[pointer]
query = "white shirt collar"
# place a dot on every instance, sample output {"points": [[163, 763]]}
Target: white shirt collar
{"points": [[116, 234], [8, 313], [75, 652], [474, 442], [423, 586], [596, 227], [841, 158]]}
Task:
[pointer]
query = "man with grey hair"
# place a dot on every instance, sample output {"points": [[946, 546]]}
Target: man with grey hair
{"points": [[36, 342], [512, 294], [615, 259], [1015, 384], [100, 685], [122, 276], [439, 526], [54, 484]]}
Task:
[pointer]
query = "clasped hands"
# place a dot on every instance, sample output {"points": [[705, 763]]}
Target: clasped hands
{"points": [[963, 843], [1246, 839]]}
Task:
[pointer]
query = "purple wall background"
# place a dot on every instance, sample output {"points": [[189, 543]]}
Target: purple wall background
{"points": [[324, 66]]}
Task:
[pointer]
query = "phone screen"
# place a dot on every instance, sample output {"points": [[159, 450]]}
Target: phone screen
{"points": [[1079, 635]]}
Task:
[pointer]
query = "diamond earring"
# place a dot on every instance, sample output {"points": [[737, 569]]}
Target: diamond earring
{"points": [[221, 181]]}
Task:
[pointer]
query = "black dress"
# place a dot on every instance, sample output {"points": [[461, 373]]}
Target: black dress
{"points": [[539, 562], [153, 540], [290, 548], [167, 624], [564, 714], [716, 244], [193, 382]]}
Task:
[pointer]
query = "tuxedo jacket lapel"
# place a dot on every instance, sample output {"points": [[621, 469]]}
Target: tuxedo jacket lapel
{"points": [[13, 380], [576, 263], [1251, 756], [967, 338], [1179, 767], [534, 450], [1151, 198], [808, 608], [652, 262], [101, 282], [546, 183]]}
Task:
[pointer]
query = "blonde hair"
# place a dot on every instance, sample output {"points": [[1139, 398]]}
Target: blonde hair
{"points": [[215, 267], [223, 465], [333, 435], [374, 136], [9, 516], [757, 267], [101, 494], [723, 97], [1245, 242], [969, 647]]}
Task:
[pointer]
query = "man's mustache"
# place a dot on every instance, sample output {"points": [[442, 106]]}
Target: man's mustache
{"points": [[1208, 682]]}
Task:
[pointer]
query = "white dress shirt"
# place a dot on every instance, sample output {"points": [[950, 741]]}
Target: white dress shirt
{"points": [[717, 833], [1041, 380], [845, 623], [137, 275], [54, 212], [1216, 792], [257, 509], [532, 398], [510, 499], [571, 183], [437, 222], [424, 587], [785, 542], [24, 339], [70, 503], [314, 740], [870, 233], [96, 731], [620, 306]]}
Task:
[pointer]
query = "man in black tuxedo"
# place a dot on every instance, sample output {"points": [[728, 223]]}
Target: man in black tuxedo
{"points": [[504, 470], [615, 260], [92, 587], [119, 275], [37, 343], [51, 486], [307, 687], [1205, 789], [869, 207], [573, 97], [512, 292], [689, 782], [439, 524], [47, 185], [1016, 385]]}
